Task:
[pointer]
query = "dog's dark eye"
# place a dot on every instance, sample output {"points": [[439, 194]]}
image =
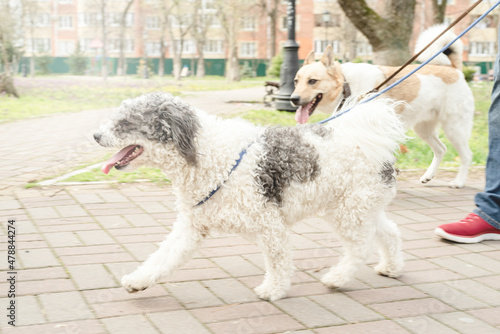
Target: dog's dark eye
{"points": [[312, 81], [295, 82]]}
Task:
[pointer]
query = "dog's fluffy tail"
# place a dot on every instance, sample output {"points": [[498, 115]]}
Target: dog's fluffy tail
{"points": [[452, 56], [375, 127]]}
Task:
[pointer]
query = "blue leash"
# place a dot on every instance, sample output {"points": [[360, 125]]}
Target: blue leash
{"points": [[416, 69], [242, 153]]}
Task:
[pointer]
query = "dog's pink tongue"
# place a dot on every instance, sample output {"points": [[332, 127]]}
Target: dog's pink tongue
{"points": [[115, 158], [302, 114]]}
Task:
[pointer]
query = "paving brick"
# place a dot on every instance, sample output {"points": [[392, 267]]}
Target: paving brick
{"points": [[141, 251], [197, 274], [346, 308], [97, 237], [384, 295], [87, 198], [86, 250], [63, 239], [485, 262], [100, 296], [141, 220], [478, 291], [424, 324], [381, 327], [38, 287], [235, 312], [231, 291], [65, 306], [42, 274], [177, 322], [308, 289], [135, 306], [237, 266], [43, 213], [264, 324], [450, 296], [488, 315], [307, 312], [433, 252], [69, 260], [465, 323], [92, 276], [193, 295], [113, 221], [37, 258], [29, 311], [91, 326], [71, 211], [411, 308], [463, 268], [426, 276], [130, 324]]}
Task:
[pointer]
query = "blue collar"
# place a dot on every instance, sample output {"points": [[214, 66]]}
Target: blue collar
{"points": [[242, 153]]}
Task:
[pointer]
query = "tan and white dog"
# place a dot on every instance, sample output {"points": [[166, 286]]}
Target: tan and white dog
{"points": [[436, 94]]}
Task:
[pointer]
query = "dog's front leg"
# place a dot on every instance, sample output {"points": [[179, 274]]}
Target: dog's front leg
{"points": [[174, 251], [277, 253]]}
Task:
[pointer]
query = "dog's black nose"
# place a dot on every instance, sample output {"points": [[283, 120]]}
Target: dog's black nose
{"points": [[97, 136], [295, 99]]}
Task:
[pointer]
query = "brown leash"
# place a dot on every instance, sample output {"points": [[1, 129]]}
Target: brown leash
{"points": [[412, 59]]}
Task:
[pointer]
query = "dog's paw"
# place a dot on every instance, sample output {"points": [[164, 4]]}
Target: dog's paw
{"points": [[456, 184], [134, 282], [392, 271], [268, 292], [335, 281], [426, 177]]}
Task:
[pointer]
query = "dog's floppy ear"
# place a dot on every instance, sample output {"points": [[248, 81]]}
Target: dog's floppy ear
{"points": [[181, 126], [310, 58], [328, 58]]}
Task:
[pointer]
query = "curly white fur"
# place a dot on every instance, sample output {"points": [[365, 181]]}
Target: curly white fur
{"points": [[340, 177]]}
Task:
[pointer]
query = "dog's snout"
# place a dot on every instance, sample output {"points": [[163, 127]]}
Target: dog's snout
{"points": [[295, 100], [97, 136]]}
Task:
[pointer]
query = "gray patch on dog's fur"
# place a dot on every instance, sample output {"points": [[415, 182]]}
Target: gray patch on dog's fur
{"points": [[161, 118], [320, 130], [286, 157], [388, 174]]}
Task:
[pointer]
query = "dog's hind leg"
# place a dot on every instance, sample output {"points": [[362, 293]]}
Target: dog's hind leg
{"points": [[357, 240], [458, 132], [174, 251], [389, 241], [427, 131], [277, 253]]}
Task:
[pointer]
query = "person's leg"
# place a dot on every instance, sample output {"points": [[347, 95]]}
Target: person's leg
{"points": [[484, 223]]}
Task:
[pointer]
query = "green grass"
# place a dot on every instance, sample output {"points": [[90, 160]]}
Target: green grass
{"points": [[56, 94], [142, 173]]}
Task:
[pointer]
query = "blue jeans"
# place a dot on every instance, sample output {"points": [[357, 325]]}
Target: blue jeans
{"points": [[488, 202]]}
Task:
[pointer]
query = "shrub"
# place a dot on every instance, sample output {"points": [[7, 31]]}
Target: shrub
{"points": [[77, 62], [274, 69], [469, 73], [42, 64]]}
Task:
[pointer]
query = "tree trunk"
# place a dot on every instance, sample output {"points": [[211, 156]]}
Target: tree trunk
{"points": [[104, 62], [389, 35], [438, 11], [233, 68], [7, 85], [200, 69], [122, 63]]}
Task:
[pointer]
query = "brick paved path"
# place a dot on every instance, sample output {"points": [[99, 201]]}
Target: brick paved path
{"points": [[75, 243]]}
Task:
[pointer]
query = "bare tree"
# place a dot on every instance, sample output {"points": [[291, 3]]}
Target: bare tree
{"points": [[199, 29], [165, 12], [230, 14], [390, 34], [271, 9], [8, 37], [438, 9], [104, 54], [122, 63], [179, 24]]}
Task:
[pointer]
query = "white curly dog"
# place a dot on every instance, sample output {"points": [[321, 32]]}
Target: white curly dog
{"points": [[342, 171]]}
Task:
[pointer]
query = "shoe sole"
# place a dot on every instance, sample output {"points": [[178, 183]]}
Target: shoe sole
{"points": [[466, 240]]}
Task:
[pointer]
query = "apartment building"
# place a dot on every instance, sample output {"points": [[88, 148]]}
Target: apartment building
{"points": [[56, 27]]}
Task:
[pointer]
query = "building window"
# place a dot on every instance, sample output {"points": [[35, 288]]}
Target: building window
{"points": [[249, 23], [482, 49], [320, 46], [363, 49], [41, 20], [248, 49], [39, 45], [153, 48], [488, 21], [65, 48], [88, 19], [114, 45], [333, 21], [212, 20], [188, 46], [214, 46], [85, 44], [153, 22], [66, 22], [180, 21]]}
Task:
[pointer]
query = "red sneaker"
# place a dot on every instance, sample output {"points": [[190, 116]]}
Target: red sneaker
{"points": [[469, 230]]}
